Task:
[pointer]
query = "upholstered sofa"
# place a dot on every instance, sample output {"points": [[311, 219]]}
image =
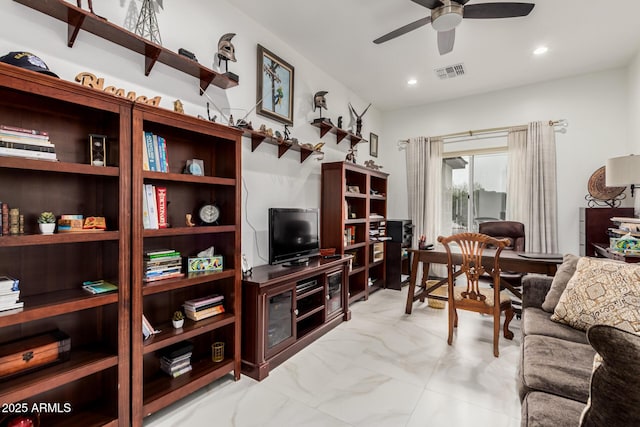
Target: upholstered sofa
{"points": [[557, 376]]}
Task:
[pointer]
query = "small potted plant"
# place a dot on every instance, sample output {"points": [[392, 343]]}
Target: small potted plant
{"points": [[178, 319], [47, 222]]}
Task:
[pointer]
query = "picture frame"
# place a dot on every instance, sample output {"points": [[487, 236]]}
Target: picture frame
{"points": [[373, 144], [275, 88]]}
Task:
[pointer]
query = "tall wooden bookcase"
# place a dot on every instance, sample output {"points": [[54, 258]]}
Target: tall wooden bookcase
{"points": [[220, 149], [95, 379], [353, 202]]}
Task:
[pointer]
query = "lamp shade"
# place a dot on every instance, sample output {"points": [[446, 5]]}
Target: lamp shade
{"points": [[622, 171]]}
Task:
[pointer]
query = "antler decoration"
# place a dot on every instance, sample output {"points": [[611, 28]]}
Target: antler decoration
{"points": [[358, 118]]}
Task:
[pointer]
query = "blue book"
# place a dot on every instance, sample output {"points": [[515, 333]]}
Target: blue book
{"points": [[148, 138], [162, 152]]}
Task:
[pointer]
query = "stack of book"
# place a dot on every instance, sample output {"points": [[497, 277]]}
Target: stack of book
{"points": [[176, 359], [9, 293], [28, 143], [154, 153], [162, 264], [201, 308]]}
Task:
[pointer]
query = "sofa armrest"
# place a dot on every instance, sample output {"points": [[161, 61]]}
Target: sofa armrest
{"points": [[534, 290]]}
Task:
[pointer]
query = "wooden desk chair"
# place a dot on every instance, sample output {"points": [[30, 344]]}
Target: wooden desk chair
{"points": [[473, 298]]}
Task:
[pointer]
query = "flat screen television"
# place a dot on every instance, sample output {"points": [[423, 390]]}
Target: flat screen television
{"points": [[293, 235]]}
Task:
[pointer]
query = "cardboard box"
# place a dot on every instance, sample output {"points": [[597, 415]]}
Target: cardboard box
{"points": [[197, 264]]}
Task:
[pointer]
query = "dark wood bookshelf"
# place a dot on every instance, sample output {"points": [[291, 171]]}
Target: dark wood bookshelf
{"points": [[79, 19], [51, 268], [336, 177], [258, 138], [219, 147]]}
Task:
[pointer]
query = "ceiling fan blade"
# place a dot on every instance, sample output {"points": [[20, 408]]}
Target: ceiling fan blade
{"points": [[403, 30], [429, 4], [497, 10], [462, 2], [445, 41]]}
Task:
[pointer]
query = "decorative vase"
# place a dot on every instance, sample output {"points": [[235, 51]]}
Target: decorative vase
{"points": [[47, 228], [178, 323]]}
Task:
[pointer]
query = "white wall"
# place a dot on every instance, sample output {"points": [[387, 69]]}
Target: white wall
{"points": [[594, 104], [269, 181]]}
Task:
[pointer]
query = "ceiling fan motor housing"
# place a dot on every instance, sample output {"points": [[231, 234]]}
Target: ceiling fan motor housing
{"points": [[447, 17]]}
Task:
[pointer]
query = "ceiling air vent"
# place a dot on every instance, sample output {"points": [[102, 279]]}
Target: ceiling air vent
{"points": [[450, 71]]}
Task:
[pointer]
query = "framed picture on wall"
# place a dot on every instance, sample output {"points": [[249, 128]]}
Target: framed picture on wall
{"points": [[275, 87], [373, 145]]}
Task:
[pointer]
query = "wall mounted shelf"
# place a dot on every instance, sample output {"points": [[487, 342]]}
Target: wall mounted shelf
{"points": [[258, 138], [78, 19], [327, 127]]}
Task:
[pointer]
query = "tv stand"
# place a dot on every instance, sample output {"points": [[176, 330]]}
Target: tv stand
{"points": [[284, 310]]}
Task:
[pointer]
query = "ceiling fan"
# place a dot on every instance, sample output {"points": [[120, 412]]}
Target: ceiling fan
{"points": [[447, 14]]}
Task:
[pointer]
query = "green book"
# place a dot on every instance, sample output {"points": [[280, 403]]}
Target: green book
{"points": [[99, 286]]}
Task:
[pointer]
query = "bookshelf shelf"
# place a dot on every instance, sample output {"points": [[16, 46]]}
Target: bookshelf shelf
{"points": [[162, 390], [169, 335], [188, 281], [179, 231], [51, 268], [81, 364]]}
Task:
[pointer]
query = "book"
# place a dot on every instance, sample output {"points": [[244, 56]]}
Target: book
{"points": [[8, 283], [196, 302], [203, 314], [163, 154], [162, 277], [99, 286], [14, 306], [145, 153], [30, 136], [151, 205], [181, 371], [26, 140], [15, 152], [147, 329], [156, 153], [161, 160], [161, 203], [24, 130], [148, 138]]}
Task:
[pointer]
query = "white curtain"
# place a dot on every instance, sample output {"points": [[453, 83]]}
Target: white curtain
{"points": [[424, 187], [532, 185]]}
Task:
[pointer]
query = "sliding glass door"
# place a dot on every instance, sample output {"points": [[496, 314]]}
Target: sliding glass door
{"points": [[474, 190]]}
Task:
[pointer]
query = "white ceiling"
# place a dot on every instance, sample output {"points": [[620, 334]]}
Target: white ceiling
{"points": [[337, 35]]}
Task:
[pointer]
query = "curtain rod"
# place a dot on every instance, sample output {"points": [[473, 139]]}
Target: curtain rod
{"points": [[470, 133]]}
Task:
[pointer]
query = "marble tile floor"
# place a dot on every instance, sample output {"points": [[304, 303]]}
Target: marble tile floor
{"points": [[381, 368]]}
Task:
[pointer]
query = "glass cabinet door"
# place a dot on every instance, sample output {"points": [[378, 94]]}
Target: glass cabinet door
{"points": [[334, 293], [280, 320]]}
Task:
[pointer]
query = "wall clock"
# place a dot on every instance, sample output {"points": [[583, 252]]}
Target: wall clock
{"points": [[208, 214]]}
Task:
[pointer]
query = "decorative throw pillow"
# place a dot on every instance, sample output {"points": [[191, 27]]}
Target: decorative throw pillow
{"points": [[601, 292], [613, 393], [560, 280]]}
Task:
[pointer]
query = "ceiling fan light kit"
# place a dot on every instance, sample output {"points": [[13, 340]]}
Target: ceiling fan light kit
{"points": [[446, 15]]}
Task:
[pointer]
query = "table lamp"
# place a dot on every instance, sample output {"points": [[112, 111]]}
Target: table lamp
{"points": [[623, 171]]}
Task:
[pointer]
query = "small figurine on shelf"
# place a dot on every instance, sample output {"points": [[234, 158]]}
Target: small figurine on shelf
{"points": [[320, 102], [178, 107], [358, 118], [189, 220], [178, 319], [351, 155], [47, 222], [226, 53], [340, 122]]}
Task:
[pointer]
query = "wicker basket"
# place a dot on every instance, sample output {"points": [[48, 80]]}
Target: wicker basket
{"points": [[441, 291]]}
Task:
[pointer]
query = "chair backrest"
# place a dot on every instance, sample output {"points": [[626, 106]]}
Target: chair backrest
{"points": [[471, 247], [512, 230]]}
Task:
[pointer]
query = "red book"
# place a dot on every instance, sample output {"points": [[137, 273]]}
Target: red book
{"points": [[161, 201]]}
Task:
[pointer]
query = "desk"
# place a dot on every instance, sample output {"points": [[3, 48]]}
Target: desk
{"points": [[509, 261]]}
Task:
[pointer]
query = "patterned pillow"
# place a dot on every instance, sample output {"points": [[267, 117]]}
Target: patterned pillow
{"points": [[601, 292]]}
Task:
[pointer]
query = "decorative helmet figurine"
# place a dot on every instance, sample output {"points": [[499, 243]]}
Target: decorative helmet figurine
{"points": [[226, 50], [319, 100]]}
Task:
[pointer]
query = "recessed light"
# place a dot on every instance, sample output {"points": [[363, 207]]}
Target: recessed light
{"points": [[412, 82], [540, 50]]}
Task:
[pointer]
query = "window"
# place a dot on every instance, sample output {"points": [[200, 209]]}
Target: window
{"points": [[474, 189]]}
